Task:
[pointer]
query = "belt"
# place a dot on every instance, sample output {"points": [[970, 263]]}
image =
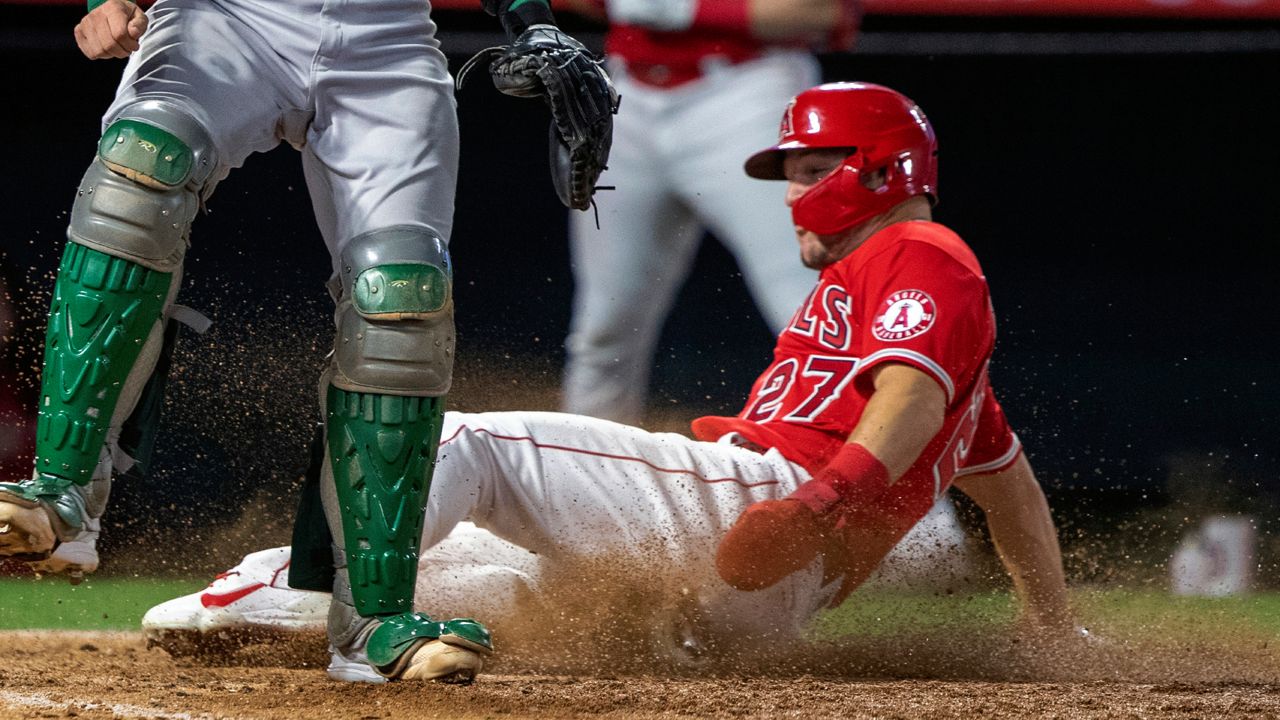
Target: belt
{"points": [[661, 75], [669, 75]]}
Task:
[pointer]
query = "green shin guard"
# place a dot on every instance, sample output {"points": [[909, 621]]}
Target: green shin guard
{"points": [[391, 642], [103, 310], [382, 449]]}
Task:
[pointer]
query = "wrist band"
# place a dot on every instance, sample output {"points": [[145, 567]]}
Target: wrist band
{"points": [[855, 474], [516, 16]]}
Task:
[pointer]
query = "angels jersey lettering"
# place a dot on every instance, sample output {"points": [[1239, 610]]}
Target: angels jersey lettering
{"points": [[913, 293]]}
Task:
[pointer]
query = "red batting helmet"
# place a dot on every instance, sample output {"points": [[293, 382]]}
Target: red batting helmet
{"points": [[886, 131]]}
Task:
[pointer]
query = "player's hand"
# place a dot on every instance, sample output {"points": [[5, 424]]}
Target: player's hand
{"points": [[771, 540], [111, 30], [1060, 639]]}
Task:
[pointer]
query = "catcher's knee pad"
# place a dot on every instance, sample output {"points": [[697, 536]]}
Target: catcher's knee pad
{"points": [[395, 314], [138, 198]]}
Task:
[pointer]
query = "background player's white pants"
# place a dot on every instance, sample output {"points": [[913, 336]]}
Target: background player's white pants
{"points": [[361, 89], [562, 490], [677, 163]]}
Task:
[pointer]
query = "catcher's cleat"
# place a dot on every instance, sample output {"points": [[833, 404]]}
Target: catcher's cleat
{"points": [[249, 603], [53, 524], [26, 532], [406, 646], [434, 660], [75, 559]]}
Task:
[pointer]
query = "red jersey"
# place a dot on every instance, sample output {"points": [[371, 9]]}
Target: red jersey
{"points": [[720, 33], [913, 293]]}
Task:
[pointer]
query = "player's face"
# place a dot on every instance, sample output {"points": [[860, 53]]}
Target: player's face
{"points": [[803, 169]]}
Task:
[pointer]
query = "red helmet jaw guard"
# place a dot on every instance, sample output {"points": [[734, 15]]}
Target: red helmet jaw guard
{"points": [[841, 201], [887, 131]]}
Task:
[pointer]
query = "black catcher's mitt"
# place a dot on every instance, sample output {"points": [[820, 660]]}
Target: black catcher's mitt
{"points": [[545, 62]]}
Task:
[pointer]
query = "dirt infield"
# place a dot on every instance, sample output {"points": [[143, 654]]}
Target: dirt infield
{"points": [[113, 675]]}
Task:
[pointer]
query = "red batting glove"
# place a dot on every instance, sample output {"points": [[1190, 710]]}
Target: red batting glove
{"points": [[775, 538]]}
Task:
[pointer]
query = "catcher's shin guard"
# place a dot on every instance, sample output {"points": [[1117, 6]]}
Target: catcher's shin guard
{"points": [[385, 404], [384, 410], [118, 277], [382, 448]]}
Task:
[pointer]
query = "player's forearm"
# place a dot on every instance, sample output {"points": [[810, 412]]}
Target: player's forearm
{"points": [[904, 413], [807, 20], [1025, 538], [592, 9]]}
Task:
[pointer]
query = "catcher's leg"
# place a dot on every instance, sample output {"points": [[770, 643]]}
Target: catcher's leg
{"points": [[384, 403], [118, 277]]}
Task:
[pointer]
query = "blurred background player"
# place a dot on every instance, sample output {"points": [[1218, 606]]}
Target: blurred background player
{"points": [[703, 81], [876, 401], [364, 92]]}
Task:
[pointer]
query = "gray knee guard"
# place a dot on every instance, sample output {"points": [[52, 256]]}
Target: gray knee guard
{"points": [[395, 314], [142, 191]]}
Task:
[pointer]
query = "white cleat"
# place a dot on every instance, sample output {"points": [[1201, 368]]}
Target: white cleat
{"points": [[351, 669], [74, 558], [455, 656], [248, 603]]}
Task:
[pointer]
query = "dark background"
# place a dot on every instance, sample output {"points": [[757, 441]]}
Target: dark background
{"points": [[1123, 203]]}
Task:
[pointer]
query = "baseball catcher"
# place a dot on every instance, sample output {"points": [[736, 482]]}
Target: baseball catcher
{"points": [[208, 83], [541, 61]]}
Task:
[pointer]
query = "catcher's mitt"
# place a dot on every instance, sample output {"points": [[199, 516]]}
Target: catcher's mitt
{"points": [[544, 62]]}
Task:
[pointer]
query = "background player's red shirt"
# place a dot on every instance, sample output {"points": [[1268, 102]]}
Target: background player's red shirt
{"points": [[720, 33], [913, 293]]}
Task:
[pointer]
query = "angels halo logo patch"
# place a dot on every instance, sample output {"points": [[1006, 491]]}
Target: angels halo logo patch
{"points": [[907, 314], [787, 127]]}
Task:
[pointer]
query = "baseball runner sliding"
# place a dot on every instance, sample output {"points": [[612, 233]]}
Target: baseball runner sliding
{"points": [[876, 402]]}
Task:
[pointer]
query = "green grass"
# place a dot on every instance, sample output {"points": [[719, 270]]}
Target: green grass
{"points": [[1117, 612], [108, 603], [1198, 618], [875, 613], [96, 604]]}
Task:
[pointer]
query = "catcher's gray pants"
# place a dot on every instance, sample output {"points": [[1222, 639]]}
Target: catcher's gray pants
{"points": [[361, 89]]}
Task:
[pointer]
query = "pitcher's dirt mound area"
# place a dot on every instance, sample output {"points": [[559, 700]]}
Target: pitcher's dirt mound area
{"points": [[113, 675]]}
